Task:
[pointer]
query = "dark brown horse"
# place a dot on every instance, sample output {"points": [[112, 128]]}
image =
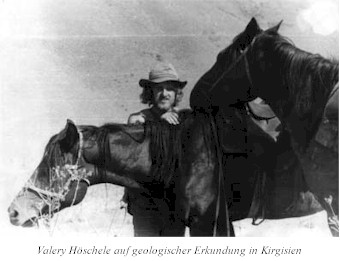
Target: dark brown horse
{"points": [[80, 156], [299, 87]]}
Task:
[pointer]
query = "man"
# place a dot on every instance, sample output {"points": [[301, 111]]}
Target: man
{"points": [[162, 92]]}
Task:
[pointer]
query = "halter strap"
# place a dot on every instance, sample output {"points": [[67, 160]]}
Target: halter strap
{"points": [[81, 147], [43, 192], [248, 70], [247, 67], [73, 170], [243, 55]]}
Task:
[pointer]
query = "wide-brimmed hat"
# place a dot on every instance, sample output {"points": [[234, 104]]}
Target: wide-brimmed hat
{"points": [[162, 72]]}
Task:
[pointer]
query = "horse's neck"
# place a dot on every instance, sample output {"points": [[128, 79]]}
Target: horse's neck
{"points": [[98, 175], [307, 75], [112, 159]]}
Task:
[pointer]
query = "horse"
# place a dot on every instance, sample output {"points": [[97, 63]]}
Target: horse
{"points": [[301, 89], [81, 156]]}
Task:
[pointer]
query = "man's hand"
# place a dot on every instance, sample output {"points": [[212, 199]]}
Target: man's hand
{"points": [[171, 117]]}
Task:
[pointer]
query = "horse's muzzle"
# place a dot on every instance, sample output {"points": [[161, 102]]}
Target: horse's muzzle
{"points": [[21, 217], [15, 219], [14, 216]]}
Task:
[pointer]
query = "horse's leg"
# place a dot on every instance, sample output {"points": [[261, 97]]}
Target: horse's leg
{"points": [[203, 220], [174, 226], [262, 159], [321, 169], [284, 190], [199, 185], [321, 166], [201, 195], [207, 216], [239, 184], [173, 217]]}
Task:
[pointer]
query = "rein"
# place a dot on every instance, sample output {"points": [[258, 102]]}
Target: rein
{"points": [[221, 202]]}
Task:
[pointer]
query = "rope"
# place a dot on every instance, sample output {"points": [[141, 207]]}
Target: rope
{"points": [[75, 173], [221, 185]]}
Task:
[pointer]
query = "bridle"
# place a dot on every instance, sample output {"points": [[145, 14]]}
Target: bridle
{"points": [[76, 172], [220, 193], [247, 68]]}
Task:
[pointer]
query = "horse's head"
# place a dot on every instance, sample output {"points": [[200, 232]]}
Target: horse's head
{"points": [[300, 87], [57, 182], [227, 82], [262, 61], [241, 80]]}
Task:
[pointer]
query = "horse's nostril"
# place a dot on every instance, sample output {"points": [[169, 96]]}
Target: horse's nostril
{"points": [[13, 213]]}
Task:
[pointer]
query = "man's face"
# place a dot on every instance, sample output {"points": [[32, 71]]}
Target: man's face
{"points": [[164, 95]]}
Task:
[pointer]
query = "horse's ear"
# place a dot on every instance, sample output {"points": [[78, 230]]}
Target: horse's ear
{"points": [[246, 37], [68, 137], [275, 28], [252, 28]]}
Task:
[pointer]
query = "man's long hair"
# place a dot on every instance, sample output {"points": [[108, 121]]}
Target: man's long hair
{"points": [[148, 98]]}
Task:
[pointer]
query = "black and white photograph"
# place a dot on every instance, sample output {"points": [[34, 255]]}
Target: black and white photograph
{"points": [[181, 119]]}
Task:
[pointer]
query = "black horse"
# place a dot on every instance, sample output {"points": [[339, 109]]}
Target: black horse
{"points": [[178, 167], [299, 87]]}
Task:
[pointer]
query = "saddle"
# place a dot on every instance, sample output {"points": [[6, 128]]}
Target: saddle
{"points": [[260, 110], [263, 116]]}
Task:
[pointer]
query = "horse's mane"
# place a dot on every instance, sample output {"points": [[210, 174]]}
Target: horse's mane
{"points": [[299, 66], [166, 150], [166, 144], [309, 80]]}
